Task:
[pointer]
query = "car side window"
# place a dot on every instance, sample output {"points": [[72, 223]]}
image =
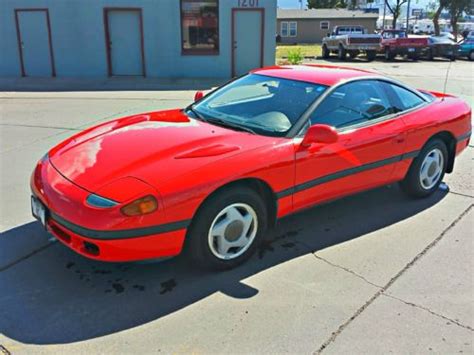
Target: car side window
{"points": [[404, 99], [353, 103]]}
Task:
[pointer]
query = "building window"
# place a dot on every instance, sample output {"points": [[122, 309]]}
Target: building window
{"points": [[284, 29], [289, 29], [200, 26], [293, 31], [324, 25]]}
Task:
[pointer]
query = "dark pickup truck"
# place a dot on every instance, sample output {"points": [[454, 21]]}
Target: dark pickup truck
{"points": [[397, 42]]}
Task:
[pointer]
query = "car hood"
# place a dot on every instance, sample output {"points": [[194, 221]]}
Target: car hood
{"points": [[152, 147]]}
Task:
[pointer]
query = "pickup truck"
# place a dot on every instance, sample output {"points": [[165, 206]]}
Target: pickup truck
{"points": [[397, 42], [351, 40]]}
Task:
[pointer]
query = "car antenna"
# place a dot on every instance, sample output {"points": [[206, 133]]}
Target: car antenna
{"points": [[446, 80]]}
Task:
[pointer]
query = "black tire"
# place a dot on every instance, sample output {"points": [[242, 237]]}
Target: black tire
{"points": [[412, 183], [353, 54], [471, 55], [197, 244], [325, 52], [341, 53], [388, 54], [430, 54], [371, 55]]}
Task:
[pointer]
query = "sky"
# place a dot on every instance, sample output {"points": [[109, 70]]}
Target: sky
{"points": [[288, 4]]}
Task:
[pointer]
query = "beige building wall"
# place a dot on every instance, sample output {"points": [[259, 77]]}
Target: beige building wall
{"points": [[309, 30]]}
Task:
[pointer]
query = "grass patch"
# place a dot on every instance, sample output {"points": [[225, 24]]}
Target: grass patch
{"points": [[307, 50]]}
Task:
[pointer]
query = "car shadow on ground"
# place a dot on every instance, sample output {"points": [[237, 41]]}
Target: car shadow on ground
{"points": [[56, 296]]}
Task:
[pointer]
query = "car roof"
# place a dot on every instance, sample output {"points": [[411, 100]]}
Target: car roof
{"points": [[328, 75]]}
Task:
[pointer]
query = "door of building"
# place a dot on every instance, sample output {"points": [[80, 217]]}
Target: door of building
{"points": [[247, 40], [34, 41], [124, 36]]}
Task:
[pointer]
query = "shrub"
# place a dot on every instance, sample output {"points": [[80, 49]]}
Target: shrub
{"points": [[295, 56]]}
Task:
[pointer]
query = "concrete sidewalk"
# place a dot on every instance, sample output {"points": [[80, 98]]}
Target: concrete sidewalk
{"points": [[106, 84]]}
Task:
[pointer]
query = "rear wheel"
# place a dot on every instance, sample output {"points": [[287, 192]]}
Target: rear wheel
{"points": [[227, 229], [471, 55], [371, 55], [427, 170], [341, 53], [326, 53]]}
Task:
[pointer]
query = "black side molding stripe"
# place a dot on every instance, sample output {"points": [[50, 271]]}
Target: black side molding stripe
{"points": [[120, 234], [344, 173], [464, 136]]}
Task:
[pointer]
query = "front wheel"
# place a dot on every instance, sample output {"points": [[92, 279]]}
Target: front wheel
{"points": [[388, 54], [471, 55], [353, 54], [427, 170], [326, 53], [341, 53], [227, 229]]}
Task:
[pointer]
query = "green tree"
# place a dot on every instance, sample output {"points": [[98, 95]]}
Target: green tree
{"points": [[395, 8], [326, 4], [442, 4], [456, 8]]}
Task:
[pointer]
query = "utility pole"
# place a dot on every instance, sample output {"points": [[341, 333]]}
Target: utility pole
{"points": [[384, 11], [408, 15]]}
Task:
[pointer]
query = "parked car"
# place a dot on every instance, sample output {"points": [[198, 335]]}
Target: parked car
{"points": [[397, 42], [212, 177], [466, 48], [447, 35], [351, 40], [443, 47]]}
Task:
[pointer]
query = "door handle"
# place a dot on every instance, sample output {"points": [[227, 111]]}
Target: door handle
{"points": [[399, 139]]}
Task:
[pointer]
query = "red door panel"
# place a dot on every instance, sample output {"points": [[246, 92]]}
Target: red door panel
{"points": [[360, 159]]}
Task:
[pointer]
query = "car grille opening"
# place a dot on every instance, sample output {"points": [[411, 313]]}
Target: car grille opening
{"points": [[91, 248], [59, 233], [364, 40]]}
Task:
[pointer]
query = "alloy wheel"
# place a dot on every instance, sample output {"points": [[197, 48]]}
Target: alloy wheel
{"points": [[233, 231], [431, 169]]}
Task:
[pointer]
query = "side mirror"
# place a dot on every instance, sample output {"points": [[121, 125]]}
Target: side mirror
{"points": [[320, 133], [198, 96]]}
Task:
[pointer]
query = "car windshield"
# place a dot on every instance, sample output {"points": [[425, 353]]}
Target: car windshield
{"points": [[262, 104], [398, 34], [440, 39]]}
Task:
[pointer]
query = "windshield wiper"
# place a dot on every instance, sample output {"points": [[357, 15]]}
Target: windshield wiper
{"points": [[223, 123], [195, 113]]}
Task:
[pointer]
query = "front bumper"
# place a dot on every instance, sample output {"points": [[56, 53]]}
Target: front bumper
{"points": [[98, 233], [363, 47], [116, 250], [409, 51]]}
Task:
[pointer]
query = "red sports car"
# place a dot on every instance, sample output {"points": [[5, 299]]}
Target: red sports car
{"points": [[211, 178]]}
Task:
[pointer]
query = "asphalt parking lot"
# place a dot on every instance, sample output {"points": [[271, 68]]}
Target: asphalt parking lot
{"points": [[376, 272]]}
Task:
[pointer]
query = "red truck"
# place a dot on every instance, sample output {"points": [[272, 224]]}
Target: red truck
{"points": [[397, 42]]}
